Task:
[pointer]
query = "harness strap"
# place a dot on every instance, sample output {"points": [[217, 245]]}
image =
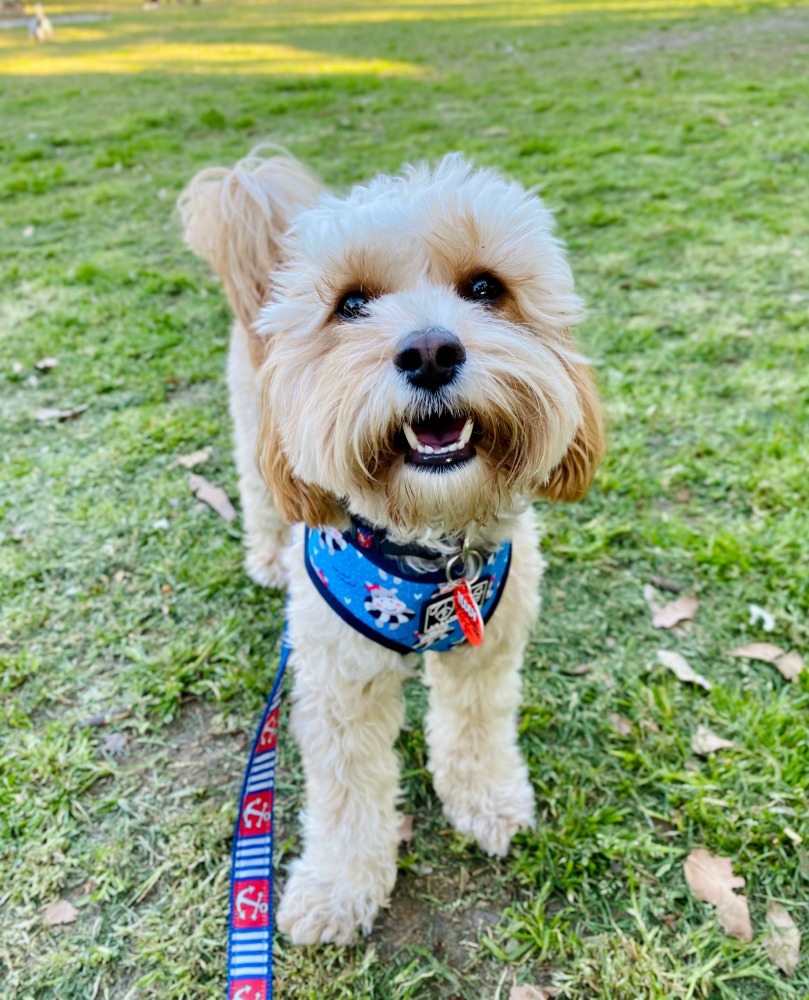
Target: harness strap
{"points": [[251, 883]]}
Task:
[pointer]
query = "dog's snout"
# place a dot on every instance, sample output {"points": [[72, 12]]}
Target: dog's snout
{"points": [[430, 358]]}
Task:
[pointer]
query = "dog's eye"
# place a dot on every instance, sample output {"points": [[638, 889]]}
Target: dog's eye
{"points": [[352, 305], [482, 288]]}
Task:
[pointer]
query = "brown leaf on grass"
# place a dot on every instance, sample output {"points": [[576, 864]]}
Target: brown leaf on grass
{"points": [[214, 496], [532, 993], [49, 413], [705, 742], [663, 583], [105, 718], [61, 912], [620, 724], [789, 665], [767, 652], [580, 671], [678, 665], [783, 942], [45, 364], [711, 879], [195, 458], [115, 743], [682, 609], [406, 829]]}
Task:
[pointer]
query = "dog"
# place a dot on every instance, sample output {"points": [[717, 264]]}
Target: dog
{"points": [[402, 378], [40, 28]]}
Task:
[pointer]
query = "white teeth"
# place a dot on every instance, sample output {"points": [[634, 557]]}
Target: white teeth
{"points": [[428, 449], [412, 440]]}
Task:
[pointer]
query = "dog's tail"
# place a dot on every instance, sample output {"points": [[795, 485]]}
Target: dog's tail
{"points": [[234, 218]]}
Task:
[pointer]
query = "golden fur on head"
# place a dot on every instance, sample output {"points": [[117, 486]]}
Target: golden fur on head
{"points": [[334, 404]]}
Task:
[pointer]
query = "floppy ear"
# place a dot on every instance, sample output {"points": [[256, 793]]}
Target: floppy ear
{"points": [[235, 218], [572, 478], [296, 500]]}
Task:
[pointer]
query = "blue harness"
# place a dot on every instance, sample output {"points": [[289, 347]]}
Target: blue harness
{"points": [[401, 609]]}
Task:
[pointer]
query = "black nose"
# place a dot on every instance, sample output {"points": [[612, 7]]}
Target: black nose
{"points": [[430, 358]]}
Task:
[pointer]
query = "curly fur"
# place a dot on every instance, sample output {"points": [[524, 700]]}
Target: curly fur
{"points": [[319, 406]]}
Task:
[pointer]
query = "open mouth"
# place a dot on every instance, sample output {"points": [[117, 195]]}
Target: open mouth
{"points": [[439, 442]]}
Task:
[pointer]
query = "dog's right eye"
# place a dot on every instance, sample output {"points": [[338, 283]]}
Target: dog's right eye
{"points": [[352, 305]]}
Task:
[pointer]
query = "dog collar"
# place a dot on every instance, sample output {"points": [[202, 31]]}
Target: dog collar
{"points": [[370, 537], [401, 609]]}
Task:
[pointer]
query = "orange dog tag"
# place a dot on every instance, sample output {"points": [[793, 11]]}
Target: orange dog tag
{"points": [[468, 612]]}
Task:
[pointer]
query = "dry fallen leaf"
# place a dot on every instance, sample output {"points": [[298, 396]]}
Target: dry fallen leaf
{"points": [[61, 912], [48, 413], [767, 652], [705, 742], [663, 583], [580, 671], [790, 665], [115, 743], [406, 829], [711, 879], [620, 724], [678, 665], [682, 609], [532, 993], [783, 942], [195, 458], [105, 718], [214, 496], [45, 364]]}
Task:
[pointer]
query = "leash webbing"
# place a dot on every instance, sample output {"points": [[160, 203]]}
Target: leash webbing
{"points": [[250, 925]]}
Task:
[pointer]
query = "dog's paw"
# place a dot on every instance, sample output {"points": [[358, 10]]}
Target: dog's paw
{"points": [[315, 910], [492, 814], [266, 570]]}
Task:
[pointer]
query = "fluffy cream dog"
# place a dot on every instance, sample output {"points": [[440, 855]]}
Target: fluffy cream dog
{"points": [[402, 355]]}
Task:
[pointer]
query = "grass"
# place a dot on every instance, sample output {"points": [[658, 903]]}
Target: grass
{"points": [[671, 140]]}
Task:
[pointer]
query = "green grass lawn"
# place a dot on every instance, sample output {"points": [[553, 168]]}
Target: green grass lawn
{"points": [[671, 139]]}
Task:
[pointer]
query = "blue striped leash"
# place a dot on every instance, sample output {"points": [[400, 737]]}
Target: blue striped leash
{"points": [[251, 882]]}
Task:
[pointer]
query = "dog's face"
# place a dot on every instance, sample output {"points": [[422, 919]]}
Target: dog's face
{"points": [[420, 369]]}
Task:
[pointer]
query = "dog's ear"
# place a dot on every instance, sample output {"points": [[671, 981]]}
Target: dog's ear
{"points": [[572, 478], [296, 500], [234, 218]]}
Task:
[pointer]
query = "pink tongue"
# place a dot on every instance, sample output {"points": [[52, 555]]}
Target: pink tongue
{"points": [[438, 433]]}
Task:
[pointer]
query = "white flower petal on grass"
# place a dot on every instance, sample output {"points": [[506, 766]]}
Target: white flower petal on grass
{"points": [[759, 614]]}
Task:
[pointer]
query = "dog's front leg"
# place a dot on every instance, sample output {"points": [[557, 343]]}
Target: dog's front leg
{"points": [[345, 722], [478, 771]]}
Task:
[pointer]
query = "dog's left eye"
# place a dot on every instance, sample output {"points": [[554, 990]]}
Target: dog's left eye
{"points": [[482, 288], [352, 305]]}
